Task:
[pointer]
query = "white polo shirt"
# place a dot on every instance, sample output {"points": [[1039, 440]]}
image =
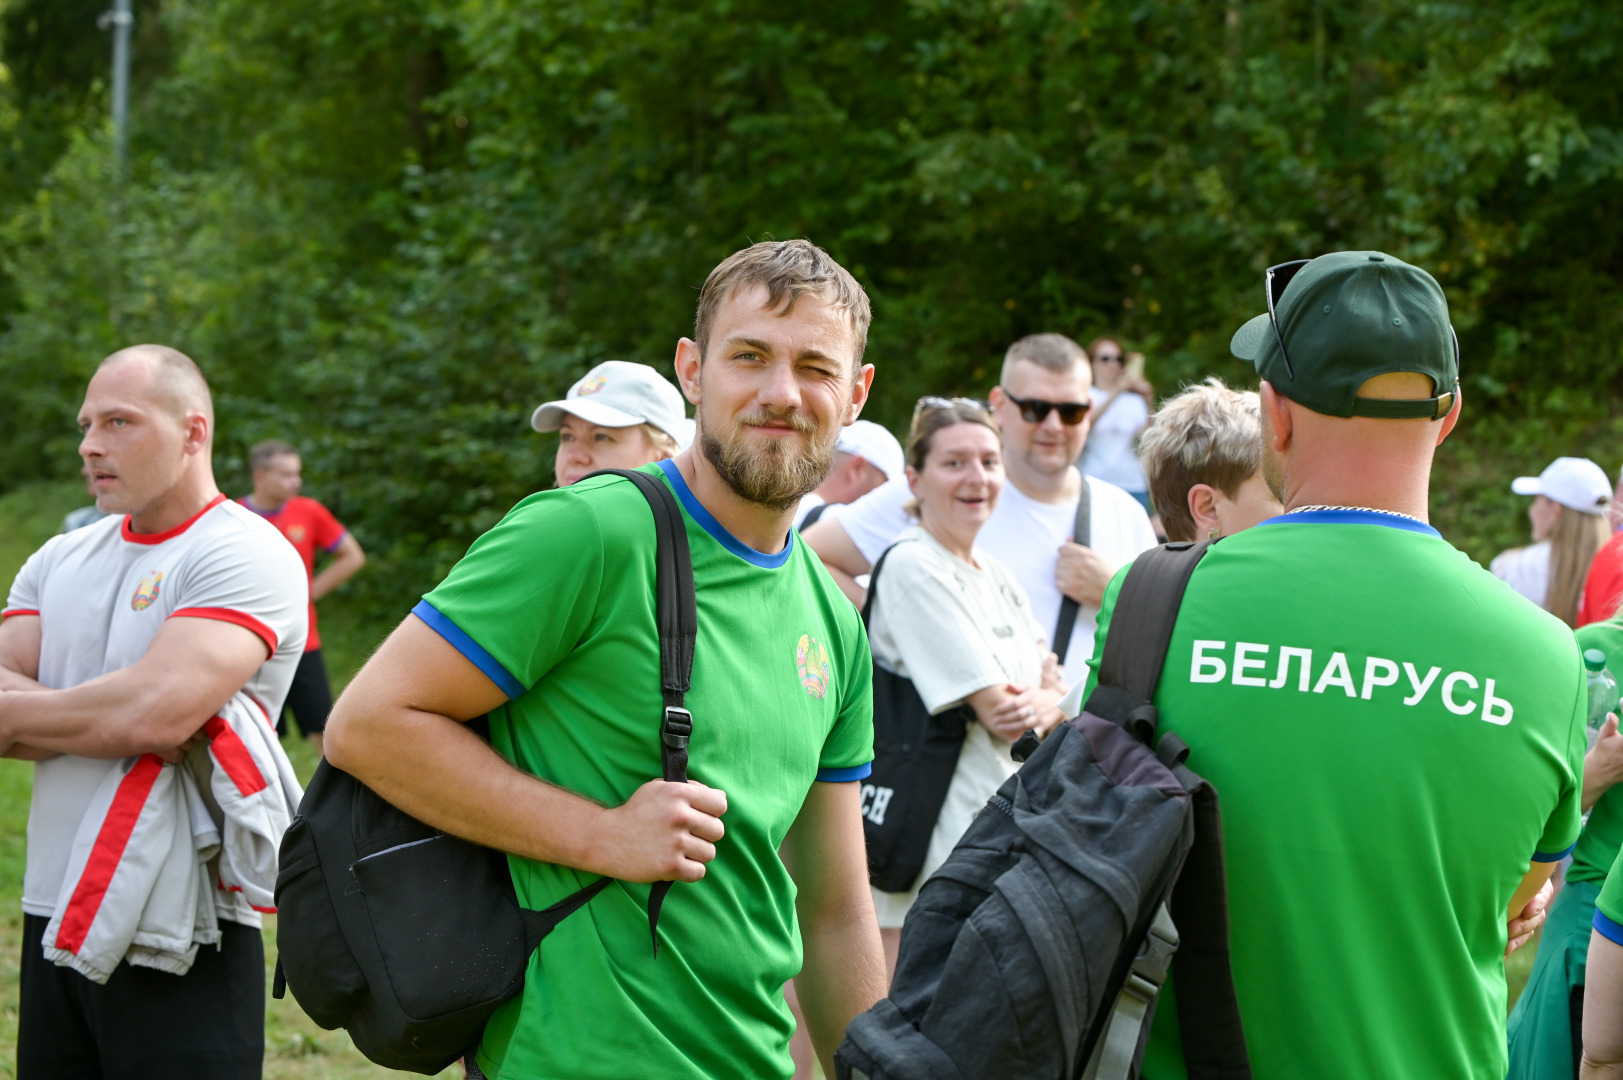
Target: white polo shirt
{"points": [[102, 593], [1025, 536]]}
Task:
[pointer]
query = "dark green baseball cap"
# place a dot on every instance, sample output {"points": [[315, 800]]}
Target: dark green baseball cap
{"points": [[1346, 317]]}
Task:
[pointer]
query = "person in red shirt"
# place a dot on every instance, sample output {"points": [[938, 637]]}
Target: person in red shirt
{"points": [[309, 527], [1603, 588]]}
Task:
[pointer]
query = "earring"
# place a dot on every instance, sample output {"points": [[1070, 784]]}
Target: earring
{"points": [[1214, 533]]}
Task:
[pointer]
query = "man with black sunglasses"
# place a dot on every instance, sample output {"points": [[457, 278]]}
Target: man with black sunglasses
{"points": [[1041, 406], [1397, 737]]}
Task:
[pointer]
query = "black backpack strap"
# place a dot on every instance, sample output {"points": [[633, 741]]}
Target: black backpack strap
{"points": [[1208, 1010], [811, 516], [1081, 533], [677, 611], [873, 585], [1146, 611]]}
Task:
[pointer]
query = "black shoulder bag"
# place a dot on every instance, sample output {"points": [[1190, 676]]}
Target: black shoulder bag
{"points": [[1081, 533], [409, 937], [914, 755]]}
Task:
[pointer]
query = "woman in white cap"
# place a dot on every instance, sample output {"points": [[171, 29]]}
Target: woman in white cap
{"points": [[1570, 499], [619, 415]]}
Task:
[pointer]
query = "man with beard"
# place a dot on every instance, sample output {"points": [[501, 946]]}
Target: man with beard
{"points": [[548, 625], [1397, 737]]}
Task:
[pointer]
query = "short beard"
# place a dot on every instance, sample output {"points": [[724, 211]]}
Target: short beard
{"points": [[777, 477]]}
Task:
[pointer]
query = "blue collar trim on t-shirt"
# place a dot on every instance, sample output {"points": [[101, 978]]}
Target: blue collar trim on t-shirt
{"points": [[710, 525], [1353, 516]]}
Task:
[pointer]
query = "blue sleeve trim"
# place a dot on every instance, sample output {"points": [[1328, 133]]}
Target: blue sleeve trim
{"points": [[1539, 856], [462, 643], [845, 776], [1609, 930], [332, 547]]}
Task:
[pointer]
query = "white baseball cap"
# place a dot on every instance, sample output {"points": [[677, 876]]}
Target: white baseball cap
{"points": [[875, 445], [617, 393], [1576, 483]]}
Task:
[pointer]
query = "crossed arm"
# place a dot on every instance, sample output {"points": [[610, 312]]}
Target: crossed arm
{"points": [[155, 705]]}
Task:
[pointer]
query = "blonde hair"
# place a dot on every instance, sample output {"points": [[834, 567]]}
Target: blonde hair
{"points": [[1208, 434], [1573, 543], [661, 440]]}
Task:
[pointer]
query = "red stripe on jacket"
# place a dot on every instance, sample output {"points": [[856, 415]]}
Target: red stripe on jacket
{"points": [[234, 758], [108, 852], [231, 615]]}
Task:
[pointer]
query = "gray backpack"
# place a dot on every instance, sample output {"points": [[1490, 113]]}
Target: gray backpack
{"points": [[1038, 948]]}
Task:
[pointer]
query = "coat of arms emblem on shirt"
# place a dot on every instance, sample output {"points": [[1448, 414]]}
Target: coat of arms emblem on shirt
{"points": [[147, 591], [812, 661]]}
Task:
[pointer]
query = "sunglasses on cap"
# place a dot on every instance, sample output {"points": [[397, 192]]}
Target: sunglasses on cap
{"points": [[1036, 410], [1274, 282]]}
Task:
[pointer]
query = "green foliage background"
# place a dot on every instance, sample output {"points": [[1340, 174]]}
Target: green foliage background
{"points": [[387, 230]]}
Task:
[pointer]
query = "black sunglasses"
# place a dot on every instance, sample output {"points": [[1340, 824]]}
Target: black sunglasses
{"points": [[1035, 410]]}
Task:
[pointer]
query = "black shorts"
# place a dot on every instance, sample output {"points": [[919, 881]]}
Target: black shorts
{"points": [[309, 699], [208, 1024]]}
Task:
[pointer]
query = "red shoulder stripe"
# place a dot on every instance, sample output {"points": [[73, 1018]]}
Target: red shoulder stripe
{"points": [[231, 615]]}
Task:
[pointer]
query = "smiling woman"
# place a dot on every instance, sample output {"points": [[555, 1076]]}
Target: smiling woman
{"points": [[954, 621]]}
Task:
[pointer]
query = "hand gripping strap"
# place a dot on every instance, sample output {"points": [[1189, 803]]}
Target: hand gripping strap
{"points": [[1081, 533], [1146, 610], [677, 612]]}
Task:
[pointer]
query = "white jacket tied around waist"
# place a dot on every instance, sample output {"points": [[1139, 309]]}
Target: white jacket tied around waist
{"points": [[161, 839]]}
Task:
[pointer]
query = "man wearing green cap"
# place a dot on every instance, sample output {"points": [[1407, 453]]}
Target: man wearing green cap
{"points": [[1396, 736]]}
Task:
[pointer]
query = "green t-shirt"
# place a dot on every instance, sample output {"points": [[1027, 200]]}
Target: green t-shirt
{"points": [[1381, 795], [1602, 837], [1609, 904], [556, 605]]}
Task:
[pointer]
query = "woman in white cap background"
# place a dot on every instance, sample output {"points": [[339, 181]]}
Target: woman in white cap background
{"points": [[1570, 499], [619, 415]]}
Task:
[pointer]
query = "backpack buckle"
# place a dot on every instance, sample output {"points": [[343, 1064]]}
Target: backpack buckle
{"points": [[678, 727]]}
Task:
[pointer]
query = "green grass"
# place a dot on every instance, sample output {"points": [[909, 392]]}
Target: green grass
{"points": [[295, 1048]]}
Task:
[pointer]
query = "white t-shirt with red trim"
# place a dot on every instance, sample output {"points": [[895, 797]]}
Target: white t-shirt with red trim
{"points": [[102, 593]]}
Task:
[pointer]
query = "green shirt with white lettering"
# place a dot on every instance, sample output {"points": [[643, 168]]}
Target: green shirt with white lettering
{"points": [[1393, 734], [1602, 837], [556, 605]]}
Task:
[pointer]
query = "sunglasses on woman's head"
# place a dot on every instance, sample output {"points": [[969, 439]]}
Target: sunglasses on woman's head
{"points": [[931, 402], [1036, 410]]}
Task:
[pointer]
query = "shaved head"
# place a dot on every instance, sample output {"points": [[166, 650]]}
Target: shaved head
{"points": [[176, 385]]}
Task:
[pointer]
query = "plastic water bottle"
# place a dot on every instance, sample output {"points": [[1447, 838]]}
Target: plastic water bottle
{"points": [[1602, 691]]}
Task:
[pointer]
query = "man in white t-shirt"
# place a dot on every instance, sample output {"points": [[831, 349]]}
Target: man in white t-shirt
{"points": [[1045, 382], [119, 642], [865, 456]]}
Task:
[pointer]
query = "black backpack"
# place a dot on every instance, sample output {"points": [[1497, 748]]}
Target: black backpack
{"points": [[410, 938], [1039, 947]]}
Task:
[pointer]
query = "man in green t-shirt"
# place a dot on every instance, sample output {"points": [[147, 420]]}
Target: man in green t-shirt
{"points": [[548, 625], [1395, 735], [1543, 1028]]}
